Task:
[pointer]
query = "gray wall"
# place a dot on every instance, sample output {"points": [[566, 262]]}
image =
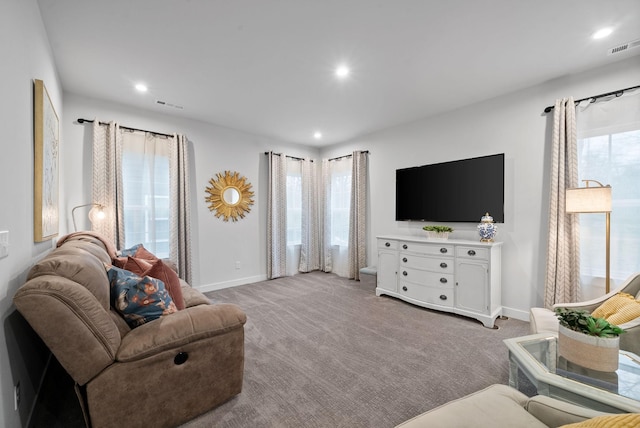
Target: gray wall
{"points": [[511, 124], [26, 55], [217, 245]]}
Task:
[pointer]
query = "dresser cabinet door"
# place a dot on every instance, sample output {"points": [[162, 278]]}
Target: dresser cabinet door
{"points": [[472, 286], [387, 269]]}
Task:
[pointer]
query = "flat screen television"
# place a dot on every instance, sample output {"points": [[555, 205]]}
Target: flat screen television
{"points": [[457, 191]]}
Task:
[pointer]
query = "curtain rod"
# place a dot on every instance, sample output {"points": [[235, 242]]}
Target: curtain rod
{"points": [[80, 120], [346, 156], [290, 157], [332, 159], [595, 97]]}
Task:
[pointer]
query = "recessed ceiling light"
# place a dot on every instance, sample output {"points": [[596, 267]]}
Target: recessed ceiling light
{"points": [[601, 34], [342, 71], [141, 87], [317, 135]]}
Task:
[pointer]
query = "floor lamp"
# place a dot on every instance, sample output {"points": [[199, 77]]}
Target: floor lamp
{"points": [[595, 199]]}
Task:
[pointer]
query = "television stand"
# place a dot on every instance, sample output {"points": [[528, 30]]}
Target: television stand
{"points": [[457, 276]]}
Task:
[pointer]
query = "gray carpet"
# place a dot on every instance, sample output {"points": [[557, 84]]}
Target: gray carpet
{"points": [[322, 351]]}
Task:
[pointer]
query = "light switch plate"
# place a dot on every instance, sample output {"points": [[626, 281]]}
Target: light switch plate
{"points": [[4, 243]]}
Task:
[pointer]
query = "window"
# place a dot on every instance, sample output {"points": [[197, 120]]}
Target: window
{"points": [[609, 151], [615, 160], [294, 202], [145, 176], [340, 202]]}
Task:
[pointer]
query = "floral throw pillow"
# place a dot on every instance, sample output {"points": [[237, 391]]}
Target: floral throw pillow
{"points": [[129, 251], [138, 299]]}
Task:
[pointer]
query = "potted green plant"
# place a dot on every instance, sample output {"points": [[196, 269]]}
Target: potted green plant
{"points": [[591, 342], [438, 232]]}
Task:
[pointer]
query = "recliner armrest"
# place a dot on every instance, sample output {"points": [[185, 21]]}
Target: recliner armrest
{"points": [[555, 413], [178, 329]]}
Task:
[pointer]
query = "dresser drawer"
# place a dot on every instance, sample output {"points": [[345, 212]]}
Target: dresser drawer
{"points": [[431, 279], [428, 249], [422, 293], [472, 253], [387, 244], [434, 264]]}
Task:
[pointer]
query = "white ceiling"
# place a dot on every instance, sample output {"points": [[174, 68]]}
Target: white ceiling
{"points": [[266, 66]]}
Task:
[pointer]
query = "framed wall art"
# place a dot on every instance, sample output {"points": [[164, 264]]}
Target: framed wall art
{"points": [[46, 154]]}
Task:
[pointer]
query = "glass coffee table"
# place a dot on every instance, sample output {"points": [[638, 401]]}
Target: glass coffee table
{"points": [[537, 358]]}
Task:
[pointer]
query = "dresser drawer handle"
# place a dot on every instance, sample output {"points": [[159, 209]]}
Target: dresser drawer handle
{"points": [[443, 297], [404, 288], [443, 265], [471, 253], [405, 273], [404, 259], [443, 250], [387, 244], [404, 246], [443, 280]]}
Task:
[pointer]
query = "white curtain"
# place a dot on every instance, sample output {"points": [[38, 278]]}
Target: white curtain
{"points": [[326, 258], [358, 215], [331, 214], [293, 167], [337, 200], [609, 151], [562, 282], [145, 190], [277, 217], [150, 194], [311, 242]]}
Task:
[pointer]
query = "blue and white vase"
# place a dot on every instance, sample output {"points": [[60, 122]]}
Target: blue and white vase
{"points": [[487, 228]]}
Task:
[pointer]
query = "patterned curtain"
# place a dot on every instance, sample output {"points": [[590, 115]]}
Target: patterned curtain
{"points": [[107, 178], [358, 215], [562, 282], [277, 217], [311, 239], [180, 197]]}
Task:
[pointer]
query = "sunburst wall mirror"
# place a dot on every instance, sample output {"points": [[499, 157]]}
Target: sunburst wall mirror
{"points": [[229, 195]]}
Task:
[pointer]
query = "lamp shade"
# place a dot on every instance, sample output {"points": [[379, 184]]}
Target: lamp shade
{"points": [[588, 200]]}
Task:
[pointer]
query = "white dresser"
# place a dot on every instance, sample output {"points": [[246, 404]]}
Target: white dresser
{"points": [[456, 276]]}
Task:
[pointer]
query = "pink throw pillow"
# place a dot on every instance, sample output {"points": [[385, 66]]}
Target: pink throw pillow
{"points": [[164, 273]]}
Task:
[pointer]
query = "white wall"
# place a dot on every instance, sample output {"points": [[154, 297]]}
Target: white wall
{"points": [[217, 245], [512, 124], [26, 55]]}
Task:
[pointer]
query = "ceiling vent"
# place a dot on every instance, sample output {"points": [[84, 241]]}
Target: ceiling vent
{"points": [[166, 104], [624, 47]]}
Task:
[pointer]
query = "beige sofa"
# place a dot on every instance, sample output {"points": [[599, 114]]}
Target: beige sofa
{"points": [[542, 320], [500, 406], [160, 374]]}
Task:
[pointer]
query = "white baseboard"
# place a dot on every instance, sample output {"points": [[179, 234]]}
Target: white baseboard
{"points": [[227, 284], [518, 314]]}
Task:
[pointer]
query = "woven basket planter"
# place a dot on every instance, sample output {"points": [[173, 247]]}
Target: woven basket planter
{"points": [[596, 353], [437, 235]]}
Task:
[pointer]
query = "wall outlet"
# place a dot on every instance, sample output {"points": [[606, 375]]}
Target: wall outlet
{"points": [[16, 395], [237, 265]]}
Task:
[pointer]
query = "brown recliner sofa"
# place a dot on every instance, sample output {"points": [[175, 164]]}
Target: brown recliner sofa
{"points": [[160, 374]]}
